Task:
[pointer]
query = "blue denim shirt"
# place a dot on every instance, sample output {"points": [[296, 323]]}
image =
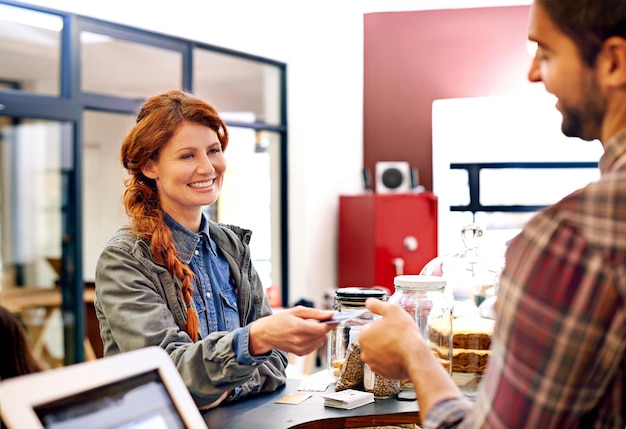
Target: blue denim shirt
{"points": [[214, 296]]}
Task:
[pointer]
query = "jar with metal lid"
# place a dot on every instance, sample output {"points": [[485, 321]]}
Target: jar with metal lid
{"points": [[344, 351], [424, 298]]}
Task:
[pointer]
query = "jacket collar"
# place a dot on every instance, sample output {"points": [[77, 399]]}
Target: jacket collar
{"points": [[186, 241]]}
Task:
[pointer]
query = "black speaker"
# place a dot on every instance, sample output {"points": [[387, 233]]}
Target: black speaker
{"points": [[393, 177]]}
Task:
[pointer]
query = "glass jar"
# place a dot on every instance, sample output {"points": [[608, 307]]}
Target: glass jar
{"points": [[344, 351], [424, 298], [381, 387], [343, 345], [472, 277]]}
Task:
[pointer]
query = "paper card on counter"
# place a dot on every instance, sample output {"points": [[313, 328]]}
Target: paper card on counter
{"points": [[348, 399], [293, 398]]}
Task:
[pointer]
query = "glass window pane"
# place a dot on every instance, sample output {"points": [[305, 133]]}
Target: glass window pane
{"points": [[126, 69], [33, 192], [251, 193], [103, 183], [531, 186], [238, 85], [30, 48]]}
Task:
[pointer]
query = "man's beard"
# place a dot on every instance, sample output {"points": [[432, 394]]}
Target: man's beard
{"points": [[585, 119]]}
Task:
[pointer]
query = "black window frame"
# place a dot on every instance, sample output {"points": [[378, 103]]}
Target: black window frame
{"points": [[69, 107]]}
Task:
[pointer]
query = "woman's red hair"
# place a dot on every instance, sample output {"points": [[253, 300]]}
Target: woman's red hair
{"points": [[157, 122]]}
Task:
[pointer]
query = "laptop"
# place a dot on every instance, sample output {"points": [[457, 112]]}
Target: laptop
{"points": [[141, 389]]}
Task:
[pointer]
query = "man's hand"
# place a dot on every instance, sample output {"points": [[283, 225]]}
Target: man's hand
{"points": [[390, 344]]}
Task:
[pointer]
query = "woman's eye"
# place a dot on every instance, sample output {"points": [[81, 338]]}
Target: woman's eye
{"points": [[187, 156], [215, 150]]}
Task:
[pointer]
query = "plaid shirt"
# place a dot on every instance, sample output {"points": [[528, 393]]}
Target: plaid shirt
{"points": [[559, 346]]}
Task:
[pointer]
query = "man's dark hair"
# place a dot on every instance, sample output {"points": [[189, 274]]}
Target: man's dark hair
{"points": [[588, 22]]}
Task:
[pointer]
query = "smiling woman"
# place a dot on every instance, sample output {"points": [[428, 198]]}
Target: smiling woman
{"points": [[174, 278]]}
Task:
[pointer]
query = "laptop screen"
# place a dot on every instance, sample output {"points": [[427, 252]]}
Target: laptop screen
{"points": [[139, 402]]}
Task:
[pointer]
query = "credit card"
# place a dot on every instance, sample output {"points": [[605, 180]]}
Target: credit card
{"points": [[342, 316]]}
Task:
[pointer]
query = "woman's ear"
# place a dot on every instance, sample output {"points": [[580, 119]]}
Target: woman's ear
{"points": [[149, 170], [612, 62]]}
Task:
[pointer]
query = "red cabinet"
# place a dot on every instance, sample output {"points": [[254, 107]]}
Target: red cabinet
{"points": [[383, 235]]}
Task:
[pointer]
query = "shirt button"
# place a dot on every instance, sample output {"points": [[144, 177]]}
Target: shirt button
{"points": [[197, 252], [208, 294]]}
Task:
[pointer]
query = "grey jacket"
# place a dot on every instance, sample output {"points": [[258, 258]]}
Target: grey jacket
{"points": [[139, 304]]}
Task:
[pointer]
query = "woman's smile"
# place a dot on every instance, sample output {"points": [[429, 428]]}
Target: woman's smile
{"points": [[202, 185]]}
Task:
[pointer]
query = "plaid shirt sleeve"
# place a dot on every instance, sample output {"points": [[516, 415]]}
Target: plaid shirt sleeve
{"points": [[558, 350]]}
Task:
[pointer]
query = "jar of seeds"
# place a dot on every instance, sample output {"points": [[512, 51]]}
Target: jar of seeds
{"points": [[343, 340], [381, 387], [344, 351]]}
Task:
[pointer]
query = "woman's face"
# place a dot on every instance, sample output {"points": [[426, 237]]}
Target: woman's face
{"points": [[188, 173]]}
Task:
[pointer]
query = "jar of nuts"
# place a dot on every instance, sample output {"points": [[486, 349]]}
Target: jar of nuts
{"points": [[343, 341]]}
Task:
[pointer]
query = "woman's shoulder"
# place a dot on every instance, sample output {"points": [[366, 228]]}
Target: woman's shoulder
{"points": [[125, 238], [224, 231]]}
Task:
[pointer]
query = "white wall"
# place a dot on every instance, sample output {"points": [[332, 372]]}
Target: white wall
{"points": [[322, 44]]}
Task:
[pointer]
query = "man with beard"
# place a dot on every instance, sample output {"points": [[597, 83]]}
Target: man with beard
{"points": [[558, 350]]}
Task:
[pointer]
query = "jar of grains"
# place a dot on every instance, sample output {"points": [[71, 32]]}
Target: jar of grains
{"points": [[423, 297], [344, 338], [344, 351], [380, 386]]}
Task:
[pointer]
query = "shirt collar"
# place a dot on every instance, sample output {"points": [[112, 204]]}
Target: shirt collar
{"points": [[186, 241], [614, 150]]}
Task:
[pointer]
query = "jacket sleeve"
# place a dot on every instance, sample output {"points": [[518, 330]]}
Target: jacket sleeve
{"points": [[270, 375], [132, 308]]}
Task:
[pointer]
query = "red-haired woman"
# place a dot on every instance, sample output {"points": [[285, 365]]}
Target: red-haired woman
{"points": [[176, 279]]}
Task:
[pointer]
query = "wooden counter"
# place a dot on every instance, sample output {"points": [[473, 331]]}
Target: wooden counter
{"points": [[261, 412]]}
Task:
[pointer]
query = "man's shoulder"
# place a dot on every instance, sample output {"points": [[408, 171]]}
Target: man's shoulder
{"points": [[595, 211]]}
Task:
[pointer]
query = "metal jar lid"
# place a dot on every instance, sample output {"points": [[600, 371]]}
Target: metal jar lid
{"points": [[359, 294]]}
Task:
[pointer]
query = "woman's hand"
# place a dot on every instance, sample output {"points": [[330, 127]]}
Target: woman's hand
{"points": [[295, 330]]}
